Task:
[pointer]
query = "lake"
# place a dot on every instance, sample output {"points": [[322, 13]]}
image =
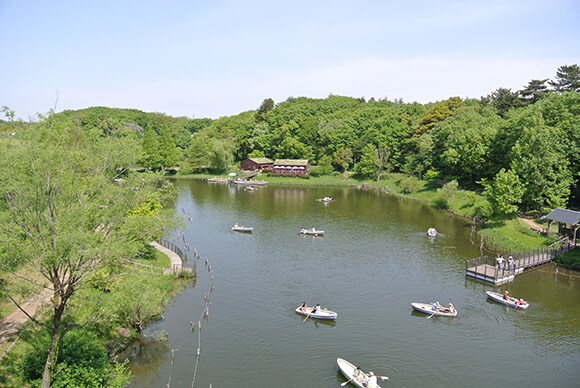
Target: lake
{"points": [[373, 261]]}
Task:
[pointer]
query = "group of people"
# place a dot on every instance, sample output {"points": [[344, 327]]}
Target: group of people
{"points": [[502, 264], [437, 307], [519, 301], [368, 381], [315, 309]]}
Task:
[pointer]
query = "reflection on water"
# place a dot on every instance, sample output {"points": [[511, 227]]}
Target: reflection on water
{"points": [[374, 260]]}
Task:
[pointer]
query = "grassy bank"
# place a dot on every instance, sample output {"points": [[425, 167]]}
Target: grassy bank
{"points": [[570, 260]]}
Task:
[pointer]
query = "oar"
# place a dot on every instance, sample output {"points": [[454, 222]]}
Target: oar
{"points": [[432, 315], [383, 377], [346, 382], [306, 317]]}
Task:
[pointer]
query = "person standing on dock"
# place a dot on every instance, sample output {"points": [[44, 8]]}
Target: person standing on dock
{"points": [[511, 263], [499, 261]]}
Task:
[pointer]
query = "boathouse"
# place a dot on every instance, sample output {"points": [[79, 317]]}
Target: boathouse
{"points": [[296, 167], [256, 164], [568, 221]]}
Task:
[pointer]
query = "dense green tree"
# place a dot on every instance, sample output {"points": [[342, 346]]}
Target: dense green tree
{"points": [[439, 112], [342, 158], [151, 156], [503, 100], [504, 192], [266, 106], [222, 155], [199, 151], [539, 160], [535, 91], [462, 143], [567, 79], [62, 213]]}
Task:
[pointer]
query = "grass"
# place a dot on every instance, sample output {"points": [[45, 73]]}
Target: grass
{"points": [[155, 258]]}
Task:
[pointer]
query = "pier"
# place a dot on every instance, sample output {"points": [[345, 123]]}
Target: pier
{"points": [[486, 268]]}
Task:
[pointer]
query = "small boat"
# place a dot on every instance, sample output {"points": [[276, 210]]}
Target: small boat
{"points": [[312, 232], [511, 301], [348, 369], [432, 232], [321, 314], [427, 308], [242, 229], [326, 199], [250, 188]]}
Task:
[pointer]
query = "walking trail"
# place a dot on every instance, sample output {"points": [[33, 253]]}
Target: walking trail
{"points": [[13, 322]]}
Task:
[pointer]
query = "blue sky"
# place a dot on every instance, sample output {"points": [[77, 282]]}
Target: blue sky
{"points": [[219, 58]]}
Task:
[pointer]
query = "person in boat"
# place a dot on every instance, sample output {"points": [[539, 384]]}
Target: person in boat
{"points": [[520, 302], [316, 309], [451, 308], [357, 372], [372, 381], [303, 306], [505, 295], [436, 306]]}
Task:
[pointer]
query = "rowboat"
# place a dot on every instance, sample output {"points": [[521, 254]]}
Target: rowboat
{"points": [[321, 314], [427, 308], [312, 232], [242, 229], [348, 369], [512, 302]]}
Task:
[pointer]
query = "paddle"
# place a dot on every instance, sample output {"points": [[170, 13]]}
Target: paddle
{"points": [[307, 316], [346, 382], [432, 315]]}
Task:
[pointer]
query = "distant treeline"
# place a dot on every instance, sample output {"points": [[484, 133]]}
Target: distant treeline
{"points": [[520, 147]]}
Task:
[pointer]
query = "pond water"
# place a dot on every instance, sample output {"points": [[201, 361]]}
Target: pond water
{"points": [[373, 261]]}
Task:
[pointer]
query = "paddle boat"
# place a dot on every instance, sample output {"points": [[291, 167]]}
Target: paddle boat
{"points": [[510, 301], [321, 314], [427, 308], [312, 232], [242, 229], [432, 232], [361, 379]]}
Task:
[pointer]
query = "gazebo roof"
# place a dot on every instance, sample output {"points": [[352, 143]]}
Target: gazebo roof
{"points": [[564, 216]]}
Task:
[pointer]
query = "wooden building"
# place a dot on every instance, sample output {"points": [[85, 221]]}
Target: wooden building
{"points": [[568, 221], [295, 167], [256, 164]]}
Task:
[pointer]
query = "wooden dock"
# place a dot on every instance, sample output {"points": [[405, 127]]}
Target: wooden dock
{"points": [[485, 268]]}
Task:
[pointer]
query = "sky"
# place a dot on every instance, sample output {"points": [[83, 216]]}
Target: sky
{"points": [[214, 58]]}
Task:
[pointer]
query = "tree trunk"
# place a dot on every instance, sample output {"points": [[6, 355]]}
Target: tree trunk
{"points": [[54, 344]]}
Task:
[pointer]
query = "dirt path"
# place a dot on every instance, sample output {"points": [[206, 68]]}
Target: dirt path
{"points": [[531, 223], [11, 324]]}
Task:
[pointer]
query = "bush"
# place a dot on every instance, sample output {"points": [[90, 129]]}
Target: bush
{"points": [[82, 362], [440, 203], [570, 259], [482, 210], [410, 185], [321, 170]]}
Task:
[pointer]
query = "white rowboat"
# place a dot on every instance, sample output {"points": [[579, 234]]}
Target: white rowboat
{"points": [[427, 308], [312, 232], [242, 229], [348, 369], [512, 302], [321, 314]]}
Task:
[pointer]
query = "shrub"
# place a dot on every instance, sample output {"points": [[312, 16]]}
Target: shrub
{"points": [[410, 185], [440, 203], [482, 210], [82, 362]]}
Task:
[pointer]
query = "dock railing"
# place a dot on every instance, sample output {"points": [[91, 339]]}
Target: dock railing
{"points": [[487, 268]]}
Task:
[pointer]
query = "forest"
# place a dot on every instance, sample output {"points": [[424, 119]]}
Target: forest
{"points": [[520, 149]]}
